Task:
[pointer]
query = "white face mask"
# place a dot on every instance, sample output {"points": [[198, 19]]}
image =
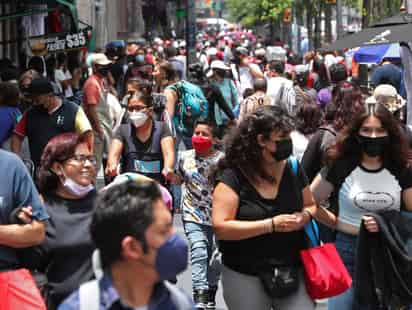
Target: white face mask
{"points": [[138, 118], [75, 188]]}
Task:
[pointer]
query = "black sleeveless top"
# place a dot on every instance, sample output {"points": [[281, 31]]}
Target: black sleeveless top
{"points": [[244, 256]]}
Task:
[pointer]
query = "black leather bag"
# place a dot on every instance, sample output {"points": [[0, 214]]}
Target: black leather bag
{"points": [[279, 281]]}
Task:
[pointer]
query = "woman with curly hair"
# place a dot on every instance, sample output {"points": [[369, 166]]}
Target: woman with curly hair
{"points": [[260, 205], [369, 172]]}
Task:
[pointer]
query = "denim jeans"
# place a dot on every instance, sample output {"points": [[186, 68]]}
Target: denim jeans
{"points": [[346, 247], [203, 256]]}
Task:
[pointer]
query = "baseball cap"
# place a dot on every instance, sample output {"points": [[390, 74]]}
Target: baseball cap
{"points": [[100, 59], [388, 96], [40, 86], [182, 44], [115, 44], [260, 52], [242, 51], [218, 64]]}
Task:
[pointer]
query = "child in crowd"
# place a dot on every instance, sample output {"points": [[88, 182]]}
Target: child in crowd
{"points": [[193, 171]]}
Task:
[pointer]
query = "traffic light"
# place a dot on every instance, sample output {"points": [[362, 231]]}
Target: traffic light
{"points": [[330, 1], [287, 15]]}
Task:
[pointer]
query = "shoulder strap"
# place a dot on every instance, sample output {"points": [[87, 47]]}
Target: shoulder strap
{"points": [[180, 300], [293, 161], [311, 229], [232, 96], [280, 94], [328, 130], [89, 296], [312, 232]]}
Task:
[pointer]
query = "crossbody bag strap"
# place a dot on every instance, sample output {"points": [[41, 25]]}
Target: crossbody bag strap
{"points": [[89, 296], [311, 228]]}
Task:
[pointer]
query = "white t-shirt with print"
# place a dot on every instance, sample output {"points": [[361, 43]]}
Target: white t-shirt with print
{"points": [[362, 191]]}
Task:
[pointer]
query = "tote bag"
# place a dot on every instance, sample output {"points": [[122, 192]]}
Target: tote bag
{"points": [[325, 274]]}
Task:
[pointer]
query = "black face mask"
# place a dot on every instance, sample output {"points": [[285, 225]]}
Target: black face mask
{"points": [[103, 71], [220, 73], [373, 147], [40, 107], [284, 149]]}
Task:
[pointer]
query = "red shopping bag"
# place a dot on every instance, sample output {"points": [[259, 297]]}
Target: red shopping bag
{"points": [[19, 291], [325, 274]]}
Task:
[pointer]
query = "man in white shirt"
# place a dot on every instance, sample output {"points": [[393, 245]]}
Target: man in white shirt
{"points": [[63, 76], [280, 89]]}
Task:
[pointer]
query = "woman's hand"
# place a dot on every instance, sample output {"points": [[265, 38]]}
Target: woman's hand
{"points": [[111, 169], [287, 222], [370, 223], [303, 218], [26, 215]]}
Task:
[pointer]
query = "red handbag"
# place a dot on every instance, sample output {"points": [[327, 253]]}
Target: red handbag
{"points": [[19, 291], [325, 274]]}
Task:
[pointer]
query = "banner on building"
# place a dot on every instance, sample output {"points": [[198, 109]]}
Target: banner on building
{"points": [[60, 42]]}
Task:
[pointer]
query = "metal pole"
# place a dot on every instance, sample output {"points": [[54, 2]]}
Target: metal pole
{"points": [[339, 20], [190, 32], [101, 30]]}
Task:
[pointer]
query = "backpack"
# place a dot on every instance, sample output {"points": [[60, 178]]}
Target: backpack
{"points": [[192, 106]]}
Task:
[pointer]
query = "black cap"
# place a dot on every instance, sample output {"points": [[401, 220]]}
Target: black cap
{"points": [[41, 86], [242, 51]]}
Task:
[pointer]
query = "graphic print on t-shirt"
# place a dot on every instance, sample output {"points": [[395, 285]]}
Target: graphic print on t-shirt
{"points": [[370, 201], [147, 166], [364, 191], [197, 190]]}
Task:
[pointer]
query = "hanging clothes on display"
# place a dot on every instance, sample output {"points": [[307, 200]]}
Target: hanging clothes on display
{"points": [[35, 25]]}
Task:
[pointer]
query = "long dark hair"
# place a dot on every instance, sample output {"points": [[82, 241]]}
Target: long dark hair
{"points": [[347, 147], [320, 68], [308, 117], [347, 98], [241, 148]]}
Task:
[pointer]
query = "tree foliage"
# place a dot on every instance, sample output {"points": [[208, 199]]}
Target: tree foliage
{"points": [[251, 12]]}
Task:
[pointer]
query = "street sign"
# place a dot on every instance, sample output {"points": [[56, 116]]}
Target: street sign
{"points": [[180, 13], [287, 15]]}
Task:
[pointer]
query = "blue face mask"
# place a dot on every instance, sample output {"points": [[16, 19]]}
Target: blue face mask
{"points": [[172, 258], [140, 58]]}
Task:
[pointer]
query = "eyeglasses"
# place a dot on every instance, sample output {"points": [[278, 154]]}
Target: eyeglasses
{"points": [[136, 108], [84, 158]]}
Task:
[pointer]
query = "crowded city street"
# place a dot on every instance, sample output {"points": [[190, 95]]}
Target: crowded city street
{"points": [[205, 155]]}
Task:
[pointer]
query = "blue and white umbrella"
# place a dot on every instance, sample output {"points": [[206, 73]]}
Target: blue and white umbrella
{"points": [[376, 53]]}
